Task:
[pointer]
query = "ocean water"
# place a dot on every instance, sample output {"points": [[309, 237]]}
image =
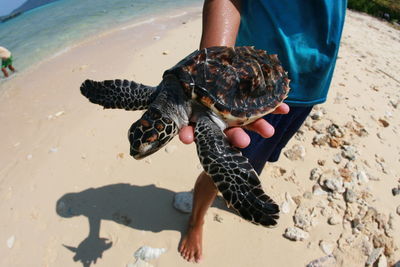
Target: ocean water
{"points": [[50, 29]]}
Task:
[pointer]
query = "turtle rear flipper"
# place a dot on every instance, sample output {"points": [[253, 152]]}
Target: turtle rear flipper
{"points": [[233, 175], [121, 94]]}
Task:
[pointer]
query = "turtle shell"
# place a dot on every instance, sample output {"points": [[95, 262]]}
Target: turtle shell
{"points": [[240, 84]]}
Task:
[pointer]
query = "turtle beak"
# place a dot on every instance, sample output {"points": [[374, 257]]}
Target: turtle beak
{"points": [[144, 150]]}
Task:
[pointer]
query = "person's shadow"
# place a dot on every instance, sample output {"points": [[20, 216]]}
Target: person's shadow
{"points": [[146, 208]]}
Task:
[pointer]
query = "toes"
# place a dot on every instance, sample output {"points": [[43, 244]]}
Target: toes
{"points": [[185, 254], [191, 256], [198, 256]]}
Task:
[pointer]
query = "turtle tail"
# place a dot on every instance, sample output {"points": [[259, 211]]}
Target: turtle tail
{"points": [[233, 175], [121, 94]]}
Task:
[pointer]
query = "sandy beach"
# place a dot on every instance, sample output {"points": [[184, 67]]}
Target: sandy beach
{"points": [[72, 196]]}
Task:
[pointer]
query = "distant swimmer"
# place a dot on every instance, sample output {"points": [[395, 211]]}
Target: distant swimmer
{"points": [[6, 61]]}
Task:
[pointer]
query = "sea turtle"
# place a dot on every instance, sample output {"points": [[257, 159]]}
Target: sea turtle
{"points": [[215, 88]]}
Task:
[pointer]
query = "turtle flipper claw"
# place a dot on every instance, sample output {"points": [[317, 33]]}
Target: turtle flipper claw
{"points": [[121, 94], [233, 175]]}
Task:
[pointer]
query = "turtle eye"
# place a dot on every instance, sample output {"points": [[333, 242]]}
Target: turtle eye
{"points": [[145, 123]]}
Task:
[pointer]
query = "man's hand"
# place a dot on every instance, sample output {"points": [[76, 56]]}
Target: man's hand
{"points": [[236, 135]]}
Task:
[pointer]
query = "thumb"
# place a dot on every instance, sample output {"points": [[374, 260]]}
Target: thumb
{"points": [[186, 135]]}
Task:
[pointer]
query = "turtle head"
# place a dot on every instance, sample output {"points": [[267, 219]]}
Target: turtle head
{"points": [[150, 133]]}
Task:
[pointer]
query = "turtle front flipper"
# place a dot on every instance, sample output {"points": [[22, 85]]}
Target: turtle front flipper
{"points": [[233, 175], [121, 94]]}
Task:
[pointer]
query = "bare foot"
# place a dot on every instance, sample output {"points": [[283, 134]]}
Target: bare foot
{"points": [[191, 245]]}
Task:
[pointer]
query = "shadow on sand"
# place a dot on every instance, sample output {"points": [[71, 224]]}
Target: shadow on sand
{"points": [[146, 208]]}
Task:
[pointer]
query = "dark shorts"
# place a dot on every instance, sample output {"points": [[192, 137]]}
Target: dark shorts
{"points": [[6, 62], [262, 150]]}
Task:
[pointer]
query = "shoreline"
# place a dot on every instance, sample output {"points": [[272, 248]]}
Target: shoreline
{"points": [[163, 22]]}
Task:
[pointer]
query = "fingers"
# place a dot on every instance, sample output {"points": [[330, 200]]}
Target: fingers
{"points": [[236, 135], [186, 135], [282, 109], [262, 127]]}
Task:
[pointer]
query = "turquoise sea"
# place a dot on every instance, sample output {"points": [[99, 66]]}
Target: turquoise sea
{"points": [[50, 29]]}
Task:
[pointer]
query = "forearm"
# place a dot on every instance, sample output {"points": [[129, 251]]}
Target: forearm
{"points": [[221, 20]]}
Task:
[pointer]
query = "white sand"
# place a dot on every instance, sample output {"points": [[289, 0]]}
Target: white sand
{"points": [[59, 148]]}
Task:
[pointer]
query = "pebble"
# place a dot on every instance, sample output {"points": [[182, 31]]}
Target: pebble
{"points": [[278, 171], [337, 158], [302, 218], [366, 246], [296, 152], [335, 185], [383, 123], [318, 127], [357, 128], [382, 262], [58, 114], [317, 190], [307, 195], [346, 173], [166, 52], [315, 174], [349, 152], [394, 102], [29, 156], [53, 150], [395, 191], [285, 207], [170, 149], [11, 241], [328, 260], [335, 130], [362, 177], [398, 210], [289, 198], [218, 218], [320, 139], [356, 223], [183, 201], [335, 142], [350, 196], [372, 258], [148, 253], [317, 115], [334, 220], [326, 247], [296, 234]]}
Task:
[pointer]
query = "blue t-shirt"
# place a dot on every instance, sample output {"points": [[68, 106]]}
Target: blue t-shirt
{"points": [[306, 36]]}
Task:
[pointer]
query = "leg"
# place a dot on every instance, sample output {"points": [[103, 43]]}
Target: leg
{"points": [[233, 175], [11, 68], [204, 195], [262, 150], [4, 72]]}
